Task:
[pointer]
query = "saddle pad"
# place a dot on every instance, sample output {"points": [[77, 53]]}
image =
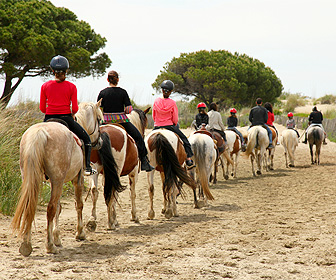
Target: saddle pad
{"points": [[115, 118]]}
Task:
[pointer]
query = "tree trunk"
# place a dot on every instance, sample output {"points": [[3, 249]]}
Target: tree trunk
{"points": [[9, 90]]}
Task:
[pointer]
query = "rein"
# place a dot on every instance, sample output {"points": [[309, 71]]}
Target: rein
{"points": [[95, 143]]}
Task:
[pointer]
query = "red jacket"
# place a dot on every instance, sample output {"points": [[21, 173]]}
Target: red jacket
{"points": [[57, 98], [270, 119]]}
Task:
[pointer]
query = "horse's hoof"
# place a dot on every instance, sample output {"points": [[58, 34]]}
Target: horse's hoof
{"points": [[80, 236], [291, 165], [57, 239], [259, 172], [176, 215], [163, 211], [232, 174], [200, 204], [271, 168], [91, 226], [169, 213], [25, 248], [136, 220], [51, 249], [151, 215], [226, 177]]}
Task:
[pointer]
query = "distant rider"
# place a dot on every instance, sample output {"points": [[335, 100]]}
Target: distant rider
{"points": [[290, 124], [202, 117], [232, 122], [315, 119], [258, 116]]}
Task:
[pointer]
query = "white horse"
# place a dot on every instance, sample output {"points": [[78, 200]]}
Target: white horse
{"points": [[289, 141], [166, 153], [50, 149], [204, 150], [256, 147], [234, 147]]}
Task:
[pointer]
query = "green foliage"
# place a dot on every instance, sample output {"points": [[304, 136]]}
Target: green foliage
{"points": [[327, 99], [33, 31], [219, 76], [293, 101]]}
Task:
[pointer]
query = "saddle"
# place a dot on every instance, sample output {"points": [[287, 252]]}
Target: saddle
{"points": [[217, 138]]}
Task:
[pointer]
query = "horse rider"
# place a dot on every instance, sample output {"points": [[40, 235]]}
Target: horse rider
{"points": [[116, 104], [232, 122], [215, 121], [165, 115], [258, 116], [202, 117], [315, 119], [290, 123], [55, 99]]}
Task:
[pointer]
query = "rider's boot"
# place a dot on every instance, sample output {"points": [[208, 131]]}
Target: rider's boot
{"points": [[305, 140], [145, 165], [88, 169]]}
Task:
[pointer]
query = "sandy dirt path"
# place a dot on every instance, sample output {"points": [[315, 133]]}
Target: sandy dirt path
{"points": [[280, 225]]}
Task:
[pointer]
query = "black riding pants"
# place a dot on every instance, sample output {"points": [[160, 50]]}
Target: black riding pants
{"points": [[184, 139], [136, 135], [74, 126]]}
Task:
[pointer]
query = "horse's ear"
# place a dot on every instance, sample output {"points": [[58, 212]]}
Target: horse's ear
{"points": [[147, 110], [98, 104]]}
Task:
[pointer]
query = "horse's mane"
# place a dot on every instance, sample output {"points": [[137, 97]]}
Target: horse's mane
{"points": [[83, 107], [139, 120]]}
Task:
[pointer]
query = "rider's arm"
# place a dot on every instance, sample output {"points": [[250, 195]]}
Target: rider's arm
{"points": [[74, 101], [175, 114]]}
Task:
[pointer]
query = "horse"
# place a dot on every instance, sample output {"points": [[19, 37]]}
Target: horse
{"points": [[222, 153], [271, 151], [256, 147], [204, 150], [289, 141], [50, 149], [166, 153], [315, 137], [234, 147], [118, 145]]}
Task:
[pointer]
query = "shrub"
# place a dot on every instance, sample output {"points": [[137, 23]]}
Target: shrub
{"points": [[327, 99]]}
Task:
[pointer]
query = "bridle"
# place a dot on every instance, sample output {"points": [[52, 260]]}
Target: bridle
{"points": [[96, 144]]}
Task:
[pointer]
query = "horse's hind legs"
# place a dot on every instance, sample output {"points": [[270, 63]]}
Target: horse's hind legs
{"points": [[56, 233], [26, 246]]}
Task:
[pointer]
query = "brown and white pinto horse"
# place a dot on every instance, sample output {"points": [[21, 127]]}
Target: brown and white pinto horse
{"points": [[166, 154], [121, 147], [234, 147], [50, 149]]}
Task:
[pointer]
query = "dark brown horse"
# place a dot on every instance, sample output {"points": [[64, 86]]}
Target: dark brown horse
{"points": [[315, 137]]}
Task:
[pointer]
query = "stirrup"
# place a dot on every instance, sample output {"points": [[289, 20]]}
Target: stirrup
{"points": [[90, 171]]}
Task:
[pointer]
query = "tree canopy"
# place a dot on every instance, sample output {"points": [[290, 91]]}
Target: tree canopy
{"points": [[220, 76], [33, 31]]}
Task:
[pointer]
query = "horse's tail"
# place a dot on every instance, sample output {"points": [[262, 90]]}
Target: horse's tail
{"points": [[290, 144], [166, 156], [112, 181], [32, 168], [200, 156], [252, 142]]}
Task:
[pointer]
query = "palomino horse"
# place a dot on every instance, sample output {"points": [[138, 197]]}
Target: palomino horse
{"points": [[204, 150], [118, 145], [256, 147], [289, 141], [315, 137], [270, 154], [50, 149], [167, 154], [234, 147]]}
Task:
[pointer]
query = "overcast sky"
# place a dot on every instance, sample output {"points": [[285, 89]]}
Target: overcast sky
{"points": [[297, 39]]}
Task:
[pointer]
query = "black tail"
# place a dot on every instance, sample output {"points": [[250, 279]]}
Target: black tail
{"points": [[166, 156], [112, 181]]}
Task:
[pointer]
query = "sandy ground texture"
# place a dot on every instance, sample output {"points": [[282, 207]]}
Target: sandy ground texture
{"points": [[280, 225]]}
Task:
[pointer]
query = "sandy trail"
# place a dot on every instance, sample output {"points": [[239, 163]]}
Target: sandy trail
{"points": [[280, 225]]}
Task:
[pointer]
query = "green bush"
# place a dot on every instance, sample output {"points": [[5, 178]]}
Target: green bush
{"points": [[327, 99]]}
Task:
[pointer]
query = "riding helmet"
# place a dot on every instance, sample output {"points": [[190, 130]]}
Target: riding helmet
{"points": [[167, 85], [201, 105], [233, 110], [290, 114], [59, 64]]}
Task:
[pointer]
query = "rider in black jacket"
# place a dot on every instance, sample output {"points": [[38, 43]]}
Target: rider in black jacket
{"points": [[258, 116]]}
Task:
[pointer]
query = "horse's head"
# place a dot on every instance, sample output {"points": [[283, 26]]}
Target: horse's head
{"points": [[89, 116], [139, 119]]}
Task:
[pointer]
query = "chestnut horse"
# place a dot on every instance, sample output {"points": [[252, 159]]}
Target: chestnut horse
{"points": [[118, 145], [167, 154], [50, 149], [270, 154], [289, 141], [256, 147]]}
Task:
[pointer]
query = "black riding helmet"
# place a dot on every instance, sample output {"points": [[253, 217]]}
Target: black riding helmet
{"points": [[59, 64], [167, 85]]}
